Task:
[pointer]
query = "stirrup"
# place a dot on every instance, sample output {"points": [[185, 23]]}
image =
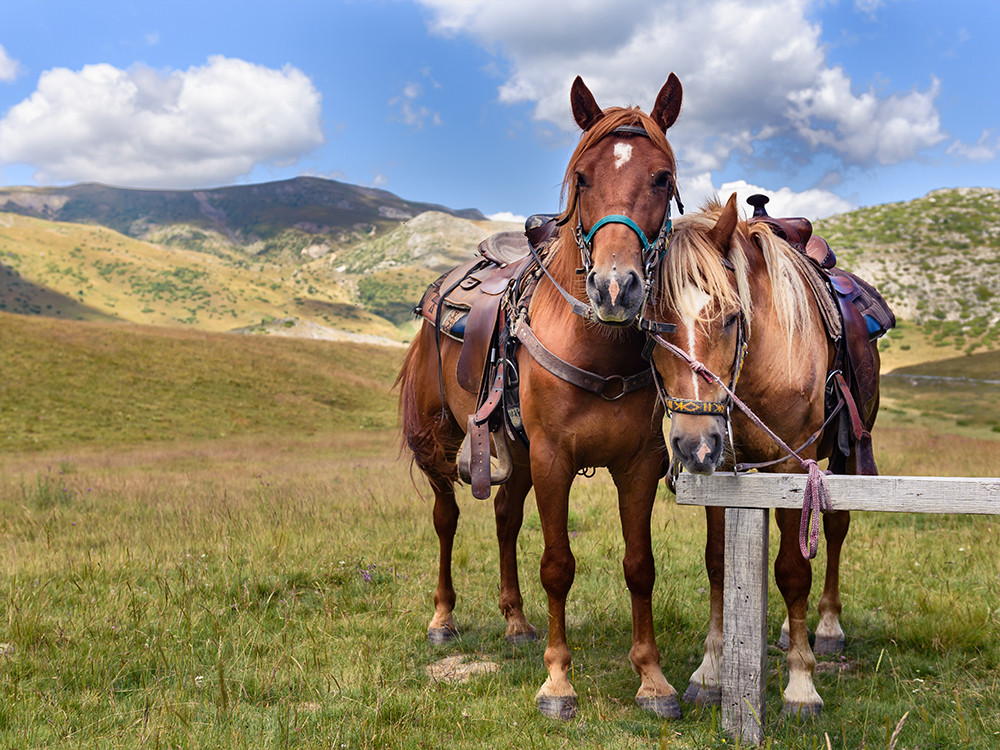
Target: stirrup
{"points": [[498, 459]]}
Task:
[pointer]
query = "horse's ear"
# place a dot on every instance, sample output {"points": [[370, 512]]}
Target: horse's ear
{"points": [[721, 235], [668, 103], [585, 109]]}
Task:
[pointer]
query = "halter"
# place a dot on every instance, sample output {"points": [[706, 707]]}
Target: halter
{"points": [[652, 252]]}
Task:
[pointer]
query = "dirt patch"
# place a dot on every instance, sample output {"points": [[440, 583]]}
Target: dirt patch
{"points": [[455, 669]]}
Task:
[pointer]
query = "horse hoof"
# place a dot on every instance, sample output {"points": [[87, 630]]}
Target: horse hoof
{"points": [[703, 696], [825, 646], [803, 710], [440, 636], [562, 707], [519, 639], [784, 642], [666, 707]]}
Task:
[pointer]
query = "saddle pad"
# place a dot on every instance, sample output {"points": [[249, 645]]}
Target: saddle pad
{"points": [[870, 303], [821, 291]]}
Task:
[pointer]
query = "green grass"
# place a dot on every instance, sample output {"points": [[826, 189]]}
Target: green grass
{"points": [[98, 383], [275, 593], [271, 588]]}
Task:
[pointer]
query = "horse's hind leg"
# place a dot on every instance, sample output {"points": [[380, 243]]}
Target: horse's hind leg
{"points": [[793, 575], [508, 508], [829, 634]]}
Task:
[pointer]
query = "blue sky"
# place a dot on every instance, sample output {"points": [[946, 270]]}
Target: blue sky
{"points": [[826, 105]]}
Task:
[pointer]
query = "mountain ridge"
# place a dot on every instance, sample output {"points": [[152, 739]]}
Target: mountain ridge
{"points": [[261, 218]]}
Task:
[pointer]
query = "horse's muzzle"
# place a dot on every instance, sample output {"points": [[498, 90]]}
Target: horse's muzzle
{"points": [[699, 452], [616, 296]]}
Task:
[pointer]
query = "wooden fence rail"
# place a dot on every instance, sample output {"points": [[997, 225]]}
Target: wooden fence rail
{"points": [[747, 498]]}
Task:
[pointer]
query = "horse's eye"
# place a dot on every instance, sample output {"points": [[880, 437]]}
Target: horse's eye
{"points": [[662, 179], [731, 320], [581, 181]]}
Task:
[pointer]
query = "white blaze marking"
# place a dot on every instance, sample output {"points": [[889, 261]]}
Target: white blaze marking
{"points": [[696, 301], [623, 153]]}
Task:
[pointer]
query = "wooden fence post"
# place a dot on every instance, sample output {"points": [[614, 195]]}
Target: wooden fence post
{"points": [[744, 624], [747, 499]]}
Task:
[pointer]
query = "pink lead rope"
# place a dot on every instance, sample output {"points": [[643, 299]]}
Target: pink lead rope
{"points": [[817, 495]]}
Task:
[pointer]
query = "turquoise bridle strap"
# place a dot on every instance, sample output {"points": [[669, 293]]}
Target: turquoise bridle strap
{"points": [[619, 219]]}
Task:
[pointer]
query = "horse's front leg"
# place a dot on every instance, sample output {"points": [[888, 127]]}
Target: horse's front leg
{"points": [[636, 492], [442, 628], [793, 574], [705, 685], [508, 507], [552, 478]]}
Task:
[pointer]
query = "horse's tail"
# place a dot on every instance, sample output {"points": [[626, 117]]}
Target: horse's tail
{"points": [[422, 416]]}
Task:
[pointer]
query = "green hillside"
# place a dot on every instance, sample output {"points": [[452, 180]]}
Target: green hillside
{"points": [[77, 383], [88, 272], [935, 259]]}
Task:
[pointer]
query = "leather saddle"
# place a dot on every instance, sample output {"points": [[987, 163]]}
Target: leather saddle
{"points": [[466, 304], [864, 316]]}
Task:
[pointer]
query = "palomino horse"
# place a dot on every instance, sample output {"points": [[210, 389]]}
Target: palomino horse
{"points": [[620, 181], [736, 295]]}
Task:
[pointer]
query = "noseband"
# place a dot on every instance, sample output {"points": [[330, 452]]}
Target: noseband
{"points": [[693, 406]]}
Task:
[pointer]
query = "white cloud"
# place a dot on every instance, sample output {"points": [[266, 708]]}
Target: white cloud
{"points": [[9, 67], [409, 112], [866, 129], [983, 150], [147, 128], [813, 203], [751, 73], [507, 216]]}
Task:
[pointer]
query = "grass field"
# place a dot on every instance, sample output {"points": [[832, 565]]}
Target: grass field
{"points": [[267, 583]]}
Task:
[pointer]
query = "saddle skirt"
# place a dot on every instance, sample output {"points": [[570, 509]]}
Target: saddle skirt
{"points": [[467, 305]]}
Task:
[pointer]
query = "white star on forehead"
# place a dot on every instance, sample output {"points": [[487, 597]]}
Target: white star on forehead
{"points": [[623, 153]]}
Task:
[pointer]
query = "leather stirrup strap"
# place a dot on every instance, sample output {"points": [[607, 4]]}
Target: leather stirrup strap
{"points": [[862, 437]]}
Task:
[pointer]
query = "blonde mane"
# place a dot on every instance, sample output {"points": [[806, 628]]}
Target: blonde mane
{"points": [[692, 262]]}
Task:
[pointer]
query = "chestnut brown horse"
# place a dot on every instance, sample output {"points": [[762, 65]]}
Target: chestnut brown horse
{"points": [[621, 179], [737, 296]]}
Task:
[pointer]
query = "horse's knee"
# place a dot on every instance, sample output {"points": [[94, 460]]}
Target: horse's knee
{"points": [[557, 571], [640, 574]]}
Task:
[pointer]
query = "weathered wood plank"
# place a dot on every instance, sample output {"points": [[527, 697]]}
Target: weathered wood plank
{"points": [[976, 495], [744, 625]]}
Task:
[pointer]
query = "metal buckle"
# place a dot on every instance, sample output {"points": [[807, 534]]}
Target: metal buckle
{"points": [[621, 387]]}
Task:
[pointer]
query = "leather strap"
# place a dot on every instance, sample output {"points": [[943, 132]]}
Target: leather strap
{"points": [[609, 388], [480, 437], [862, 437]]}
